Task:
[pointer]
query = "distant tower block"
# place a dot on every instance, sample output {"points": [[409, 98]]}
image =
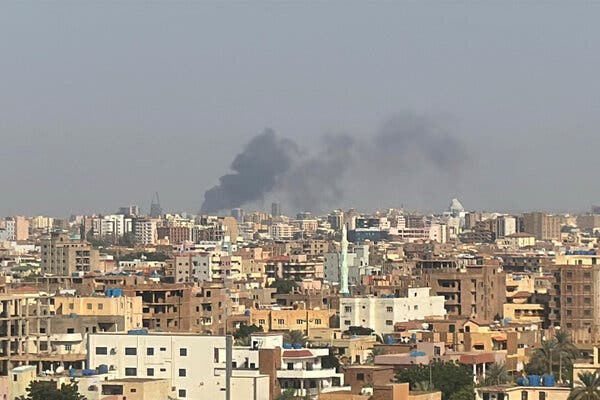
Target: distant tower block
{"points": [[275, 209], [344, 291], [155, 208]]}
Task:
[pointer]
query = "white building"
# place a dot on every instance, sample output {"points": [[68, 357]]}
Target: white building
{"points": [[145, 231], [281, 231], [358, 265], [380, 314], [195, 365]]}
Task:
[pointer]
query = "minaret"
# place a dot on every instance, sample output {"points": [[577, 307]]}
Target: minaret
{"points": [[344, 264]]}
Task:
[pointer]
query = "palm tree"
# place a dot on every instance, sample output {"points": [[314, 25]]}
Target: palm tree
{"points": [[567, 352], [589, 388], [496, 375], [542, 359], [293, 337]]}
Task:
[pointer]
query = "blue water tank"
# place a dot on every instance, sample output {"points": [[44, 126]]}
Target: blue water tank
{"points": [[137, 332], [389, 340], [117, 292], [71, 371], [247, 313], [417, 354], [297, 345], [413, 337], [549, 380], [534, 380], [103, 369], [108, 292], [522, 381], [287, 346], [88, 372]]}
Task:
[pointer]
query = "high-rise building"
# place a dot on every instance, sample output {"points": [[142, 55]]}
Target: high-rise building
{"points": [[543, 226], [144, 230], [17, 228], [275, 209], [155, 208], [238, 214]]}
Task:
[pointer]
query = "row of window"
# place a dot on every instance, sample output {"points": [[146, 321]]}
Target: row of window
{"points": [[132, 351], [281, 321]]}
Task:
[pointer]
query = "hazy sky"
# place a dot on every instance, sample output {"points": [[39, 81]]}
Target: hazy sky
{"points": [[103, 103]]}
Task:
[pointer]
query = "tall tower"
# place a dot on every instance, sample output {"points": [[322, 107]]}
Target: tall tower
{"points": [[155, 208], [344, 264]]}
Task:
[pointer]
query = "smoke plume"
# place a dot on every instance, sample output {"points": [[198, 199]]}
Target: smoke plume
{"points": [[256, 172], [311, 180]]}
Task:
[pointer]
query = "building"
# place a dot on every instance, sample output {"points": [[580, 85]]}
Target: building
{"points": [[543, 226], [62, 255], [144, 230], [472, 292], [174, 358], [275, 209], [17, 228], [281, 231], [137, 389], [380, 314]]}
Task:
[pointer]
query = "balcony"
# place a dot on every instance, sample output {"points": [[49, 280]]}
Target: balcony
{"points": [[66, 337], [305, 374]]}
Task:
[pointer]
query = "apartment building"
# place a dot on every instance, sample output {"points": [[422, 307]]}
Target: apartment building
{"points": [[175, 358], [17, 228], [144, 230], [472, 292], [62, 255], [543, 226], [380, 314], [290, 320], [124, 313]]}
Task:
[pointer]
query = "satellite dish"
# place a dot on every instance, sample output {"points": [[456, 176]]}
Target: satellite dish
{"points": [[60, 369], [425, 325]]}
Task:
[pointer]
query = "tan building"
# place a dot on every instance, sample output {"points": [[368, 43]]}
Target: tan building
{"points": [[137, 389], [290, 320], [543, 226], [62, 255], [512, 392], [475, 291], [129, 307]]}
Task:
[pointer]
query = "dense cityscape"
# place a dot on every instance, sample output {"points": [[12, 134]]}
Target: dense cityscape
{"points": [[392, 305]]}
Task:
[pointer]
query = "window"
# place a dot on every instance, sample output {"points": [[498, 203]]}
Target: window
{"points": [[183, 352], [524, 395], [182, 372], [89, 306], [15, 378], [130, 351], [347, 322], [133, 390], [182, 393], [290, 366], [389, 309], [163, 349], [150, 351], [70, 330], [347, 309], [100, 306], [68, 347], [101, 351], [281, 321], [299, 321], [389, 322], [130, 371], [216, 355], [71, 306], [261, 322], [587, 288], [417, 307], [360, 377], [542, 396], [587, 313], [317, 321], [150, 372], [163, 370]]}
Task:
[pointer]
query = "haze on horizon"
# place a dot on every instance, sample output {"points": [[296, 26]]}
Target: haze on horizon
{"points": [[102, 104]]}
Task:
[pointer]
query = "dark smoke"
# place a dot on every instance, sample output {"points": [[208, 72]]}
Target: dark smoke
{"points": [[256, 172], [405, 143]]}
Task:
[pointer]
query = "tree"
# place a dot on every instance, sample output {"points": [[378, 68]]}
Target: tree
{"points": [[359, 331], [287, 394], [556, 354], [242, 334], [496, 374], [293, 337], [376, 351], [589, 388], [283, 286], [47, 390], [465, 393], [447, 377]]}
